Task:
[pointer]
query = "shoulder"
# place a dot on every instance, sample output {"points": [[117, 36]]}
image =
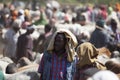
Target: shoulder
{"points": [[46, 58], [47, 55]]}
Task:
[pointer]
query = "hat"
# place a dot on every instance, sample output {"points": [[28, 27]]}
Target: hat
{"points": [[21, 12], [30, 27], [100, 23], [17, 23], [48, 5]]}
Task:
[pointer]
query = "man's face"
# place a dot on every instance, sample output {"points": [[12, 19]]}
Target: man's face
{"points": [[60, 42]]}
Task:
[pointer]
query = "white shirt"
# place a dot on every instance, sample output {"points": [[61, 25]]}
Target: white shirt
{"points": [[10, 43]]}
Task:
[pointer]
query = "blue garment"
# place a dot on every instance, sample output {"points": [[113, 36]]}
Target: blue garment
{"points": [[58, 70], [100, 38], [47, 59]]}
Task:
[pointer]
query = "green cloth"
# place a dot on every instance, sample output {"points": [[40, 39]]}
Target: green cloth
{"points": [[2, 76], [41, 21]]}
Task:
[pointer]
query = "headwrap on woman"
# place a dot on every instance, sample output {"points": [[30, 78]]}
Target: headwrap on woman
{"points": [[87, 54], [70, 45]]}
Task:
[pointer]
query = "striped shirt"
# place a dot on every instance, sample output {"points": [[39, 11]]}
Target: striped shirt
{"points": [[58, 67], [58, 71]]}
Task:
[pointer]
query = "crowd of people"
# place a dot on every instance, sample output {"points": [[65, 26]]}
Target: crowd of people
{"points": [[60, 42]]}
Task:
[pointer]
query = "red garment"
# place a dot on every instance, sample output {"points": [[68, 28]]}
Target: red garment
{"points": [[58, 68]]}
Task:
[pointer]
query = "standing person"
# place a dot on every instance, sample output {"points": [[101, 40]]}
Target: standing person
{"points": [[25, 44], [44, 39], [100, 37], [58, 60], [10, 39], [48, 11], [42, 20]]}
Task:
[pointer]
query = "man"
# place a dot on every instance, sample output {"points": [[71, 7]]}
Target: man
{"points": [[58, 60], [25, 44], [48, 11], [99, 37], [10, 39], [44, 39]]}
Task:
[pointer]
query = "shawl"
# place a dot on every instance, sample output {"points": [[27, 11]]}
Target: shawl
{"points": [[87, 54], [70, 45]]}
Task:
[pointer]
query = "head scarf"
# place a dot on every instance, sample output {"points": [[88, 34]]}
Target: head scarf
{"points": [[26, 12], [87, 54], [30, 27], [70, 45]]}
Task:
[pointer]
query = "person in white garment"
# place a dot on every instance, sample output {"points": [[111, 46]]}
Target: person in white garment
{"points": [[10, 39]]}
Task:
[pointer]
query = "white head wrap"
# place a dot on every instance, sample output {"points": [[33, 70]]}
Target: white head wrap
{"points": [[31, 27], [21, 11], [48, 5]]}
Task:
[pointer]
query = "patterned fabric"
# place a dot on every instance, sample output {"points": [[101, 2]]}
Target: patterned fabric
{"points": [[46, 68], [62, 68], [58, 68]]}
